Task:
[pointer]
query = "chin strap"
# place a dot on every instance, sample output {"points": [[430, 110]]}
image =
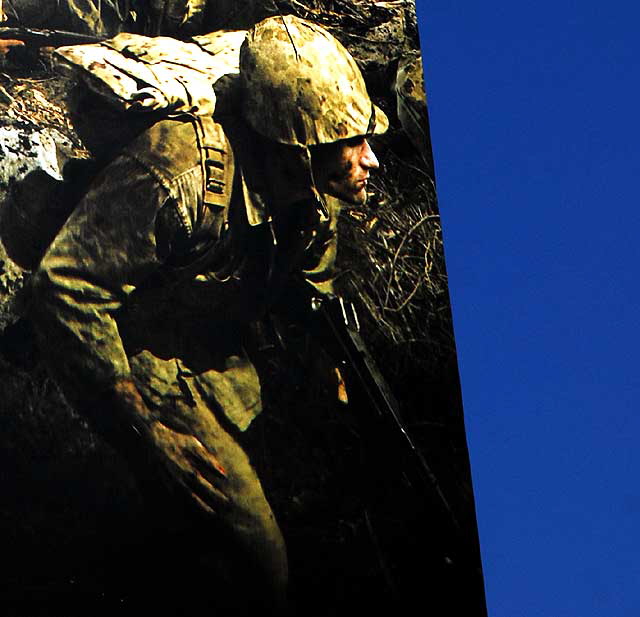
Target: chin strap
{"points": [[321, 202]]}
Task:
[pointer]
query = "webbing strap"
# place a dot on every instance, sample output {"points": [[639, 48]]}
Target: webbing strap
{"points": [[216, 164]]}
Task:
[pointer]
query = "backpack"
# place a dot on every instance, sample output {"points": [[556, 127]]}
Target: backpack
{"points": [[123, 86], [135, 73]]}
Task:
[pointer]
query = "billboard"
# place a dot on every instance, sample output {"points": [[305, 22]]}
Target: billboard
{"points": [[229, 369]]}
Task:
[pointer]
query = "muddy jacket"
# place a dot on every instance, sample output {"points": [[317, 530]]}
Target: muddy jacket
{"points": [[165, 258]]}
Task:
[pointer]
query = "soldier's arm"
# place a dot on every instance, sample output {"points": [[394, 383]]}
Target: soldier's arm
{"points": [[105, 249], [108, 246]]}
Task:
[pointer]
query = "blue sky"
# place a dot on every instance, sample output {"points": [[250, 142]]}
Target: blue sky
{"points": [[533, 109]]}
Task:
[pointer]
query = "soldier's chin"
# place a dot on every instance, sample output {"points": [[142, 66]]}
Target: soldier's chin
{"points": [[355, 197]]}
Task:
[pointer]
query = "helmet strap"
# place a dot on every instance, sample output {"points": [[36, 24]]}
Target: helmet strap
{"points": [[321, 202], [372, 121]]}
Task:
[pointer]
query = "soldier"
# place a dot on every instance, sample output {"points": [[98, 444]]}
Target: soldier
{"points": [[143, 301]]}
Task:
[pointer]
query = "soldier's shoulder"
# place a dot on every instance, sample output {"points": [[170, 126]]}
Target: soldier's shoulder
{"points": [[173, 146], [168, 138]]}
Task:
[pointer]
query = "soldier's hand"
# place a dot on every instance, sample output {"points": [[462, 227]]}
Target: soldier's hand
{"points": [[188, 462], [125, 397], [182, 455]]}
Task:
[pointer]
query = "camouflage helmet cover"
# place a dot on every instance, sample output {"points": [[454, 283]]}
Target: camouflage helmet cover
{"points": [[302, 87]]}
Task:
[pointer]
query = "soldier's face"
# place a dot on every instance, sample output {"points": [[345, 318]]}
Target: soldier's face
{"points": [[342, 169]]}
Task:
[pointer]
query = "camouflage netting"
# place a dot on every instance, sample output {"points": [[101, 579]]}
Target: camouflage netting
{"points": [[391, 264]]}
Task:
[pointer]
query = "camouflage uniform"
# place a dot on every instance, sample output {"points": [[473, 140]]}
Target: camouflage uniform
{"points": [[156, 274], [115, 300]]}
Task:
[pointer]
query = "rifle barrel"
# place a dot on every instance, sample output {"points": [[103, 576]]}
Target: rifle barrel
{"points": [[46, 38], [376, 388]]}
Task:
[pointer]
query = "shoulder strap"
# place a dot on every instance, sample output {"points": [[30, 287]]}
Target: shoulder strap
{"points": [[216, 160]]}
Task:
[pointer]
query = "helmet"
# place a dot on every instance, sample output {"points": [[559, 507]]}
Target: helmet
{"points": [[302, 87]]}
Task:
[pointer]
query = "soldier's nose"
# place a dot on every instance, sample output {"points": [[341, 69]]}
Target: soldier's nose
{"points": [[368, 159]]}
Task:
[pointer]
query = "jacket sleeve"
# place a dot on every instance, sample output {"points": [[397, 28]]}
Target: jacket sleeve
{"points": [[105, 249]]}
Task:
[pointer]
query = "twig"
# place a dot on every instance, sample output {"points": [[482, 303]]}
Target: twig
{"points": [[424, 219]]}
